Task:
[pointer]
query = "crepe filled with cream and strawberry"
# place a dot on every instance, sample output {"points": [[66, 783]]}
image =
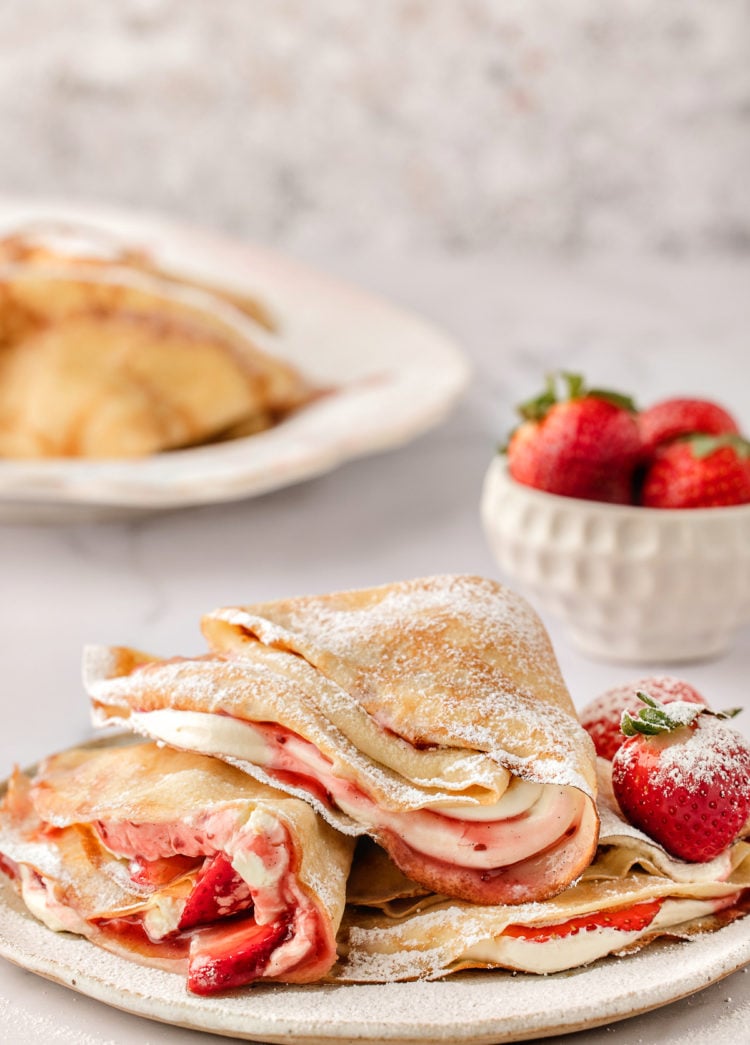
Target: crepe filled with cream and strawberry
{"points": [[632, 894], [429, 714], [179, 861]]}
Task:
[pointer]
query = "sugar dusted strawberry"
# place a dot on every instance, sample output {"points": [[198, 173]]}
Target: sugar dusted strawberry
{"points": [[672, 418], [698, 472], [585, 445], [602, 716], [683, 777]]}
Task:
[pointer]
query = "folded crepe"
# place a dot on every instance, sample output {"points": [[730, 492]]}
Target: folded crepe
{"points": [[114, 363], [429, 714], [85, 248], [177, 860], [632, 894]]}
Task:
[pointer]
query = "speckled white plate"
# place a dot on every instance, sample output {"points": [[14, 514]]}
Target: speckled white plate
{"points": [[395, 376], [479, 1007]]}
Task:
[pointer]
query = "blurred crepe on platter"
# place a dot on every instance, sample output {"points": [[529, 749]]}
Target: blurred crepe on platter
{"points": [[112, 357]]}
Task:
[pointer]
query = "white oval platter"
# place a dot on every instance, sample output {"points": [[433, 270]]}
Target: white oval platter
{"points": [[393, 377]]}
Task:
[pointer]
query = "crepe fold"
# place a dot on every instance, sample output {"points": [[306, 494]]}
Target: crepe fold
{"points": [[177, 860], [430, 714], [632, 894]]}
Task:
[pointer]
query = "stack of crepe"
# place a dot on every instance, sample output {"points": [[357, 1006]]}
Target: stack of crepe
{"points": [[114, 357], [633, 893], [428, 719]]}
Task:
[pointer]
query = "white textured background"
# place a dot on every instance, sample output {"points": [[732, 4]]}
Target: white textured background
{"points": [[459, 124]]}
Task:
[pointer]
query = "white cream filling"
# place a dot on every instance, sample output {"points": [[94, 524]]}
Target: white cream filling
{"points": [[568, 952], [202, 732], [259, 875], [38, 895], [520, 796], [162, 916], [544, 811]]}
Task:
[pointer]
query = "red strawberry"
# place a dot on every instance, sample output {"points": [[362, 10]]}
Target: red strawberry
{"points": [[672, 418], [683, 777], [218, 892], [603, 715], [232, 955], [586, 445], [700, 471]]}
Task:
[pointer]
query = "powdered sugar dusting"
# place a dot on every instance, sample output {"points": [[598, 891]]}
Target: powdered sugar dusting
{"points": [[711, 748], [449, 660], [707, 759], [666, 688]]}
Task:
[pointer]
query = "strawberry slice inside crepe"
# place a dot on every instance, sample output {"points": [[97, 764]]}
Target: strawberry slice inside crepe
{"points": [[177, 860]]}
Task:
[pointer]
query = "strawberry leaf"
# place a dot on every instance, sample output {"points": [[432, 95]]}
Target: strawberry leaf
{"points": [[537, 408], [576, 384], [657, 718], [703, 445], [615, 398]]}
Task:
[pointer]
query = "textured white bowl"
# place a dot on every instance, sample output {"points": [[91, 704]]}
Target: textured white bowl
{"points": [[630, 584]]}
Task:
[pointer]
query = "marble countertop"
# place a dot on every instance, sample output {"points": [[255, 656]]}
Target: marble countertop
{"points": [[652, 328]]}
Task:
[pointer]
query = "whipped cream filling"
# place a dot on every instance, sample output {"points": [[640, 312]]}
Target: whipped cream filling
{"points": [[526, 820], [556, 953], [38, 893]]}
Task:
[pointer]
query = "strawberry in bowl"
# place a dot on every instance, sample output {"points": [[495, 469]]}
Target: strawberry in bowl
{"points": [[585, 444], [682, 777], [672, 419], [698, 471], [628, 526]]}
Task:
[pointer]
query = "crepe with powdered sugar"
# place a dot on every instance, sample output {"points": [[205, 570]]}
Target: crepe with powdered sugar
{"points": [[430, 714]]}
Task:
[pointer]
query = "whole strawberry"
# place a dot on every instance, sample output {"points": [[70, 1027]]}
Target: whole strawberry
{"points": [[602, 716], [672, 418], [683, 777], [585, 445], [700, 471]]}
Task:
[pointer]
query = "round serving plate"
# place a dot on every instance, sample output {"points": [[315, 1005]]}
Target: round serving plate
{"points": [[470, 1008]]}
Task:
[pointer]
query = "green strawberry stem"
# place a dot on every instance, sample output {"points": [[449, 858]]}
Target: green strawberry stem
{"points": [[574, 387], [703, 445], [656, 718]]}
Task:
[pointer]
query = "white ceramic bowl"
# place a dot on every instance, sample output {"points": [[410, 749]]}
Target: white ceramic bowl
{"points": [[630, 584]]}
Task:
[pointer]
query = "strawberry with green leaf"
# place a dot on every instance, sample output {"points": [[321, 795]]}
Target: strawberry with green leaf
{"points": [[699, 471], [672, 418], [601, 717], [683, 777], [584, 444]]}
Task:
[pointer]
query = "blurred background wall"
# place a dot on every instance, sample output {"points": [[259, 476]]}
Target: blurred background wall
{"points": [[460, 124]]}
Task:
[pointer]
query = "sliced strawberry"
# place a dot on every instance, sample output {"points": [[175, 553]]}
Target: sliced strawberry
{"points": [[232, 955], [219, 892], [624, 919]]}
